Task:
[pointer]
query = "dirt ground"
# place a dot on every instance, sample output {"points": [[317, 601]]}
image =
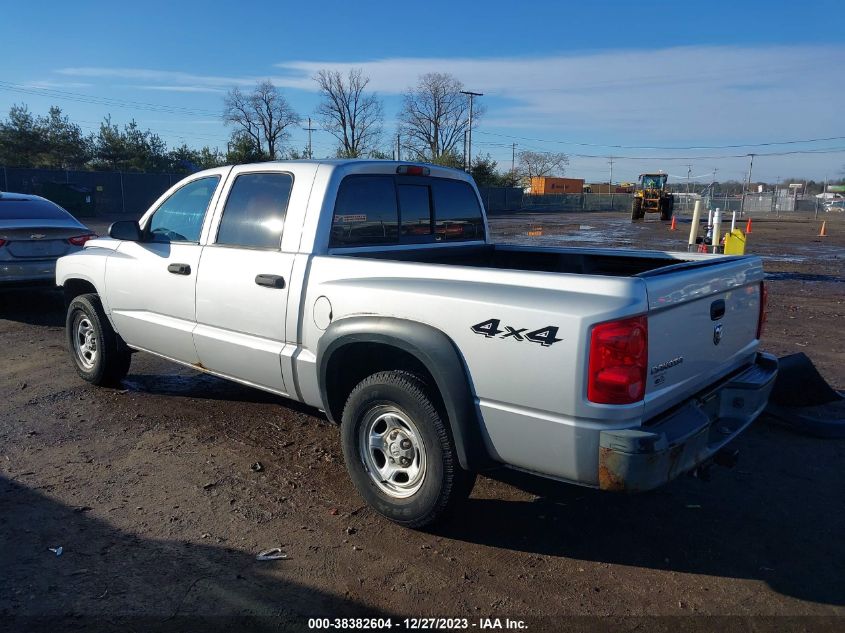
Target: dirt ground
{"points": [[161, 493]]}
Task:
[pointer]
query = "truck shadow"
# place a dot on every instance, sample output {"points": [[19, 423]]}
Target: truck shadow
{"points": [[183, 382], [776, 518], [33, 305], [115, 580]]}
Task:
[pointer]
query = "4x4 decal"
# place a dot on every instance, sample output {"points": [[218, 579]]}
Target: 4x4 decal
{"points": [[545, 336]]}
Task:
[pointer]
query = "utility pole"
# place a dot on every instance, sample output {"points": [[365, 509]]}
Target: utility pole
{"points": [[471, 95], [398, 148], [513, 158], [610, 184], [747, 185], [712, 189], [310, 129]]}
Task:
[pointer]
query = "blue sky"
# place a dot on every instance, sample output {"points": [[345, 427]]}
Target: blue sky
{"points": [[592, 79]]}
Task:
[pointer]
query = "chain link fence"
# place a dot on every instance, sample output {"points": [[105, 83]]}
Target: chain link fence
{"points": [[90, 193], [757, 205], [511, 199]]}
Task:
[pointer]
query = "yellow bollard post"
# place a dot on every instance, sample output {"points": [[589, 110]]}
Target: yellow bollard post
{"points": [[693, 230]]}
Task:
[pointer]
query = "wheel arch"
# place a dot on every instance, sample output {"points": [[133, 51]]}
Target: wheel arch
{"points": [[72, 287], [355, 346]]}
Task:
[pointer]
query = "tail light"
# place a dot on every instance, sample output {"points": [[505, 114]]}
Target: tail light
{"points": [[80, 240], [412, 170], [2, 242], [618, 361], [764, 302]]}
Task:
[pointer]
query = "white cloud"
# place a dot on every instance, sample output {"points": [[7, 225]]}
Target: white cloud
{"points": [[177, 88], [178, 78], [56, 84], [696, 95], [724, 92]]}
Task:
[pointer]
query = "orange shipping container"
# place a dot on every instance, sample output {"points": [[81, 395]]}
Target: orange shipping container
{"points": [[545, 185]]}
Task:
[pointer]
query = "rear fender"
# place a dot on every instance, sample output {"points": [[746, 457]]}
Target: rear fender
{"points": [[435, 351]]}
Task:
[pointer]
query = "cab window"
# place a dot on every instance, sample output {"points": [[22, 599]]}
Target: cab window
{"points": [[457, 212], [179, 218], [365, 212], [387, 209], [254, 215]]}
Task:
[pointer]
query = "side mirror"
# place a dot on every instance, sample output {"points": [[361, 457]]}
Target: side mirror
{"points": [[126, 230]]}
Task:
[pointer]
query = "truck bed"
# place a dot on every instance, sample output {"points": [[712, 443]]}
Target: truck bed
{"points": [[584, 261], [702, 309]]}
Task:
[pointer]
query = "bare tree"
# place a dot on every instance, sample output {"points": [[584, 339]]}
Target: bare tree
{"points": [[263, 116], [348, 113], [537, 164], [434, 117]]}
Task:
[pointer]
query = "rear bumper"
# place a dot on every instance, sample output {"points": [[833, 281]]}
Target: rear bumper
{"points": [[645, 458], [16, 271]]}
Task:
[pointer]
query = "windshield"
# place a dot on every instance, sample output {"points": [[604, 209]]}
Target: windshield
{"points": [[654, 182]]}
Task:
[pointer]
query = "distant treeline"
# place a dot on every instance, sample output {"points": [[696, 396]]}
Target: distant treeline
{"points": [[54, 142]]}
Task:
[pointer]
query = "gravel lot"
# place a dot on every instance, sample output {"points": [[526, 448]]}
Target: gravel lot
{"points": [[153, 494]]}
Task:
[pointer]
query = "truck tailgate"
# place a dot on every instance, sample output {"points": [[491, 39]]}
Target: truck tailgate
{"points": [[702, 325]]}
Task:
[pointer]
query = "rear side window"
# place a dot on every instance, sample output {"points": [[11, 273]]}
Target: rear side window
{"points": [[254, 215], [365, 212], [384, 209], [179, 218], [458, 214]]}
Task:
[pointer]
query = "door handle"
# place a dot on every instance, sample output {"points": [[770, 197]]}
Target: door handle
{"points": [[717, 310], [179, 269], [271, 281]]}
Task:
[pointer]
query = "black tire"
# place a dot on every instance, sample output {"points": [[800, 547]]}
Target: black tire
{"points": [[637, 212], [667, 207], [443, 485], [109, 362]]}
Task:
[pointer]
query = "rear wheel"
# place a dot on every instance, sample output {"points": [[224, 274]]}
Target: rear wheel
{"points": [[98, 353], [399, 452]]}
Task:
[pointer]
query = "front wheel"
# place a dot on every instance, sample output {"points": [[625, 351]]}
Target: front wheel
{"points": [[637, 212], [98, 353], [667, 208], [399, 452]]}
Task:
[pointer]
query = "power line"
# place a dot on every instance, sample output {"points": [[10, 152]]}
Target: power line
{"points": [[831, 150], [666, 147], [106, 101]]}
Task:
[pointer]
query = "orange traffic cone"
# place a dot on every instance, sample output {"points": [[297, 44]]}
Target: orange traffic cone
{"points": [[823, 230], [674, 225], [748, 227]]}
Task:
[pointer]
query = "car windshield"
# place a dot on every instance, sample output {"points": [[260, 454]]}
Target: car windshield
{"points": [[24, 209]]}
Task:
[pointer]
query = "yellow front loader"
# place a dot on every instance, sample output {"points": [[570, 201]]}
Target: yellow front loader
{"points": [[651, 196]]}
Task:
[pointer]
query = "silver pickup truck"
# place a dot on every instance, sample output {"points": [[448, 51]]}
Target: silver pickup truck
{"points": [[372, 291]]}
